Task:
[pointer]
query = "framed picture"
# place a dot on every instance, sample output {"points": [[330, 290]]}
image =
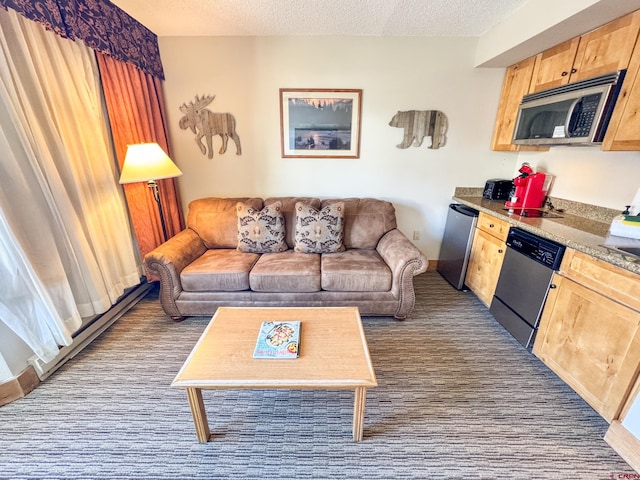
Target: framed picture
{"points": [[322, 123]]}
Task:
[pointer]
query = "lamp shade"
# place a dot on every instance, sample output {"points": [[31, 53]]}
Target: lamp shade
{"points": [[145, 162]]}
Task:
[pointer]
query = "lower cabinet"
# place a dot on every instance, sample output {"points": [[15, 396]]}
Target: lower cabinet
{"points": [[487, 254], [624, 435], [589, 333]]}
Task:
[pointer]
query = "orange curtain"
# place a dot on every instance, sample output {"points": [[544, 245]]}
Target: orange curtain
{"points": [[137, 114]]}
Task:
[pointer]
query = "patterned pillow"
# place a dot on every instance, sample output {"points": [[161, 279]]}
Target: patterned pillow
{"points": [[319, 231], [261, 231]]}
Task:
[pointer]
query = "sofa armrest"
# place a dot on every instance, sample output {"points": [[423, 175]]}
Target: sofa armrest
{"points": [[405, 261], [167, 261]]}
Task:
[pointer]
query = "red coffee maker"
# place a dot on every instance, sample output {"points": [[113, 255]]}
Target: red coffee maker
{"points": [[530, 188]]}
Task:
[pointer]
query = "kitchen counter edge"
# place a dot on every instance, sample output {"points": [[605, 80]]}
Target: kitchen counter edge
{"points": [[580, 233]]}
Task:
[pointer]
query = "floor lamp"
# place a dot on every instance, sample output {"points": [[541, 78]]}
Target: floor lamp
{"points": [[147, 162]]}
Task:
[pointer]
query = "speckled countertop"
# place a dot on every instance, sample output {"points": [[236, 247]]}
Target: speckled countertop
{"points": [[582, 227]]}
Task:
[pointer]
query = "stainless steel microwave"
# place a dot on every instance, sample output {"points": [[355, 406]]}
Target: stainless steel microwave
{"points": [[574, 114]]}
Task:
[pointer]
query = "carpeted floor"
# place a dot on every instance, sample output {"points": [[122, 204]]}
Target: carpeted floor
{"points": [[458, 398]]}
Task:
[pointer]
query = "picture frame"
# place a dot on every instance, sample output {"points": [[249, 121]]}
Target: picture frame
{"points": [[320, 122]]}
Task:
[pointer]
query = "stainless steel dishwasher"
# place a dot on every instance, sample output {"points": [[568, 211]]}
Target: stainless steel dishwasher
{"points": [[456, 244], [523, 284]]}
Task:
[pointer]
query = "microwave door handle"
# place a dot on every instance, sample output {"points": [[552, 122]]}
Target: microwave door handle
{"points": [[567, 121]]}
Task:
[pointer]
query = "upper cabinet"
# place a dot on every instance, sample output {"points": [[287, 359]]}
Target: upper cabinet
{"points": [[554, 67], [624, 128], [604, 50], [517, 82], [608, 48]]}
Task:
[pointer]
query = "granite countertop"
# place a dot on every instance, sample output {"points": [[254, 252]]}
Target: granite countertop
{"points": [[582, 227]]}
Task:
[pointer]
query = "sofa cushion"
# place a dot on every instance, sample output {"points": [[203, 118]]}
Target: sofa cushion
{"points": [[215, 219], [366, 220], [220, 269], [355, 271], [289, 212], [260, 231], [286, 272], [319, 231]]}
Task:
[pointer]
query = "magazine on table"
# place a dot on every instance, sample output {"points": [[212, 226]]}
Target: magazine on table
{"points": [[278, 339]]}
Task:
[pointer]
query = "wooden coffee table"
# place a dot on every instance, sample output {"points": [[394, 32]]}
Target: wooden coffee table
{"points": [[333, 355]]}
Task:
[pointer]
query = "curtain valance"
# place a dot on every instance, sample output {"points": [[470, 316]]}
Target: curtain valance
{"points": [[100, 24]]}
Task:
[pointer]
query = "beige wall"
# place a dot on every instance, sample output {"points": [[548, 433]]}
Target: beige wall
{"points": [[245, 74], [586, 174]]}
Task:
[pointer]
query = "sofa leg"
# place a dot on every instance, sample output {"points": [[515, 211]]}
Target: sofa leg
{"points": [[178, 319]]}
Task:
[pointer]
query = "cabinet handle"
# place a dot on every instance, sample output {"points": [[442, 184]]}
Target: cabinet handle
{"points": [[573, 70], [491, 225], [500, 250], [553, 285], [564, 74]]}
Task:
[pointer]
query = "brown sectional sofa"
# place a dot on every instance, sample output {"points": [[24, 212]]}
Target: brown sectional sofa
{"points": [[200, 269]]}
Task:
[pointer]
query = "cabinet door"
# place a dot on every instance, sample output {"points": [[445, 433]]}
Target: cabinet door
{"points": [[592, 343], [613, 282], [517, 81], [554, 65], [493, 226], [606, 49], [485, 262], [623, 132]]}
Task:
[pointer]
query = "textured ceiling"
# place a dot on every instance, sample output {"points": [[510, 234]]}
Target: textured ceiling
{"points": [[425, 18]]}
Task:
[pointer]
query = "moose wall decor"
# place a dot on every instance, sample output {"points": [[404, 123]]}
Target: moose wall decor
{"points": [[205, 123], [418, 124]]}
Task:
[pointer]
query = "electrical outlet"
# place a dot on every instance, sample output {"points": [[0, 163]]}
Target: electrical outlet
{"points": [[416, 234]]}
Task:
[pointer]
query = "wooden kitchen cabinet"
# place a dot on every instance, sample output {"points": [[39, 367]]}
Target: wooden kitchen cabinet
{"points": [[553, 66], [487, 254], [604, 50], [623, 132], [516, 84], [589, 332], [623, 435]]}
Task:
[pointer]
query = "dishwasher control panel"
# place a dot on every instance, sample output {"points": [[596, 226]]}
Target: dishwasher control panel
{"points": [[546, 252]]}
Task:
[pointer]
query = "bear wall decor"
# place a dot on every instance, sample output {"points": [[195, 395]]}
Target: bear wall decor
{"points": [[205, 123], [418, 124]]}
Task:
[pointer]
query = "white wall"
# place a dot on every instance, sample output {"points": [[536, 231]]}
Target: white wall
{"points": [[589, 175], [245, 74]]}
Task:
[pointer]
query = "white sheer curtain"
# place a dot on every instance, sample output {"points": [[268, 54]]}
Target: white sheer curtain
{"points": [[67, 249]]}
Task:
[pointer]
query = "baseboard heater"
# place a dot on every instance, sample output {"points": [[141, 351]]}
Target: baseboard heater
{"points": [[91, 331]]}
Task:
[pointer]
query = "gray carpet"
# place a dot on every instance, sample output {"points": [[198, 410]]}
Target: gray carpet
{"points": [[457, 398]]}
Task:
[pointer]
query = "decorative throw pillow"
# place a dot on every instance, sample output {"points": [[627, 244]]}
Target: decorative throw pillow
{"points": [[319, 231], [261, 231]]}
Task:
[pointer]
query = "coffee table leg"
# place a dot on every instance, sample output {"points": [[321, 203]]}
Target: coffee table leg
{"points": [[199, 415], [359, 402]]}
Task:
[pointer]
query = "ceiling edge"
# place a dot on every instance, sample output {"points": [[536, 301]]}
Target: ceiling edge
{"points": [[533, 29]]}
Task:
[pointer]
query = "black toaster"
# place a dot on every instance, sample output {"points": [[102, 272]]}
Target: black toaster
{"points": [[497, 189]]}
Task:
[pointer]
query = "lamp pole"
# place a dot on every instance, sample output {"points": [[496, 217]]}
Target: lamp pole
{"points": [[147, 162], [153, 185]]}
